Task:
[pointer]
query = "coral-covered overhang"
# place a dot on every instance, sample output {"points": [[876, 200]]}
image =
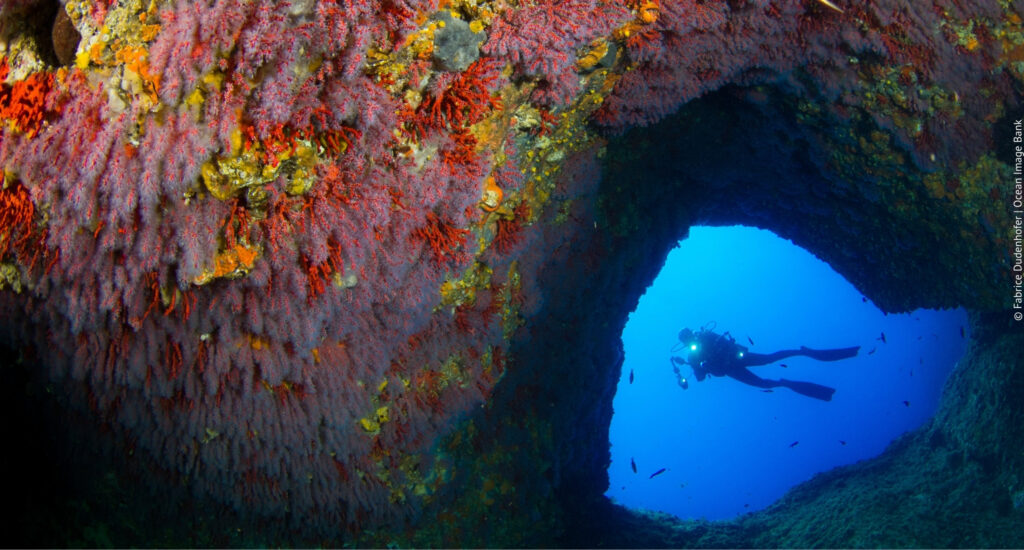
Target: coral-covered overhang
{"points": [[355, 271]]}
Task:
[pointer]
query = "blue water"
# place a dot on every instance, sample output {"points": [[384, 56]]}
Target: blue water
{"points": [[727, 447]]}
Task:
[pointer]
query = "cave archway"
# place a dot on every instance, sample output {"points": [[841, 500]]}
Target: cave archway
{"points": [[735, 158], [727, 448]]}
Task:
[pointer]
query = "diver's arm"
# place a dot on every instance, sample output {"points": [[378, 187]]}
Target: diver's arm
{"points": [[680, 380]]}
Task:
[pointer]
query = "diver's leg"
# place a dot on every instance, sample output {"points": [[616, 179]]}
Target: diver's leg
{"points": [[750, 359], [830, 354], [810, 389], [749, 378]]}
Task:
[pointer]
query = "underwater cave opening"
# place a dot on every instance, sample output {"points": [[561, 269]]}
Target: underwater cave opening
{"points": [[724, 448]]}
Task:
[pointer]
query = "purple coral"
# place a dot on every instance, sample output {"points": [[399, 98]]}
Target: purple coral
{"points": [[270, 374], [541, 39]]}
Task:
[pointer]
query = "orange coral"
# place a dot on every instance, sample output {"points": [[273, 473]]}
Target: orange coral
{"points": [[238, 257], [24, 102], [649, 11], [16, 213], [492, 195], [135, 60], [233, 262], [258, 342]]}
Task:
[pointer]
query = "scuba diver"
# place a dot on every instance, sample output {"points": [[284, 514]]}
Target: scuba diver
{"points": [[719, 355]]}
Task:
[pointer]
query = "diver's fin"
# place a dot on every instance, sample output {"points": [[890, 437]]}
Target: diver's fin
{"points": [[830, 354], [810, 389]]}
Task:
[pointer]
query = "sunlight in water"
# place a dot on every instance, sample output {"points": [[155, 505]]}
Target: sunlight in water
{"points": [[728, 448]]}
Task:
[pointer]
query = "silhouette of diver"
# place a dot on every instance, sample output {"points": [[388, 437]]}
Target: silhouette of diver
{"points": [[719, 355]]}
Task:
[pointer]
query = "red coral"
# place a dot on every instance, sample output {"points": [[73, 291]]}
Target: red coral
{"points": [[463, 320], [459, 102], [173, 359], [236, 225], [506, 235], [445, 240], [548, 122], [281, 139], [541, 38], [508, 232], [16, 215], [465, 101], [462, 151], [319, 274]]}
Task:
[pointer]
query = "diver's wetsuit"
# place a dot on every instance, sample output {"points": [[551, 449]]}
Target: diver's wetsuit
{"points": [[720, 355]]}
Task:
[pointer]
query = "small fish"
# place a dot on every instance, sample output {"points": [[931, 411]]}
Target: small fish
{"points": [[873, 350], [919, 337], [882, 338], [961, 331], [783, 365], [658, 473], [633, 464], [841, 442], [794, 444], [907, 403], [630, 376], [911, 372], [750, 340], [864, 299], [746, 506], [768, 391]]}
